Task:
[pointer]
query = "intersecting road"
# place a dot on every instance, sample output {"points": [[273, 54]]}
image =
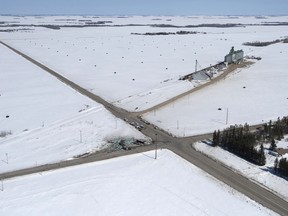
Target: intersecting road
{"points": [[181, 146]]}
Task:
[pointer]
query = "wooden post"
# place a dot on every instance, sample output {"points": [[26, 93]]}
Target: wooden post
{"points": [[227, 116], [156, 147], [7, 159]]}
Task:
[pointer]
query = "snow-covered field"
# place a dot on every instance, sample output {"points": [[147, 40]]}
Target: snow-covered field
{"points": [[86, 132], [145, 68], [259, 174], [140, 20], [51, 122], [254, 95], [132, 185], [48, 120], [31, 98]]}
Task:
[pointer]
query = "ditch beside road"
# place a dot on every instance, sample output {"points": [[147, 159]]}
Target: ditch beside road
{"points": [[180, 146]]}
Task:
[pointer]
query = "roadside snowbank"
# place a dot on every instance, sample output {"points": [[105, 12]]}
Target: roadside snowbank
{"points": [[259, 174], [132, 185]]}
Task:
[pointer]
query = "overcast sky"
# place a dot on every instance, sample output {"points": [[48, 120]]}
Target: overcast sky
{"points": [[144, 7]]}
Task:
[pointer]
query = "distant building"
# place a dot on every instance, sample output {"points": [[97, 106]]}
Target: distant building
{"points": [[282, 151], [234, 56]]}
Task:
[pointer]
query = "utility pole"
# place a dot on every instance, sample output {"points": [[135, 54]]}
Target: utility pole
{"points": [[227, 116], [7, 159], [177, 124], [196, 65], [156, 147]]}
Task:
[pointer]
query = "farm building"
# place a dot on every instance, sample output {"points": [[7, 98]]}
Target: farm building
{"points": [[234, 56]]}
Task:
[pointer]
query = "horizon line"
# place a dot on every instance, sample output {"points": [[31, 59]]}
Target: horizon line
{"points": [[145, 15]]}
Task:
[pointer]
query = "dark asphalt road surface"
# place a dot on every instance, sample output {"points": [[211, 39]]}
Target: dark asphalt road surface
{"points": [[180, 146]]}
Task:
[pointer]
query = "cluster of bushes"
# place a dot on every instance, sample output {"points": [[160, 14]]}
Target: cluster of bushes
{"points": [[265, 43], [168, 33], [15, 30], [5, 133], [240, 141], [274, 130], [97, 23], [277, 130], [208, 25], [281, 166], [261, 44], [270, 132]]}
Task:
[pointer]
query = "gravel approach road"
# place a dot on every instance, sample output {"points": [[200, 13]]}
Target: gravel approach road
{"points": [[181, 146]]}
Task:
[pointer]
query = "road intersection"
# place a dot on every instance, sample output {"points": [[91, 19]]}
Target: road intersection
{"points": [[181, 146]]}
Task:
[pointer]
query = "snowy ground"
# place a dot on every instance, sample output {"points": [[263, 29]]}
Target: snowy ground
{"points": [[134, 72], [31, 97], [259, 174], [145, 68], [84, 132], [253, 95], [48, 120], [133, 185], [283, 143]]}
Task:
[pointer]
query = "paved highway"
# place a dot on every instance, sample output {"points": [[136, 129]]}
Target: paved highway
{"points": [[181, 146]]}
